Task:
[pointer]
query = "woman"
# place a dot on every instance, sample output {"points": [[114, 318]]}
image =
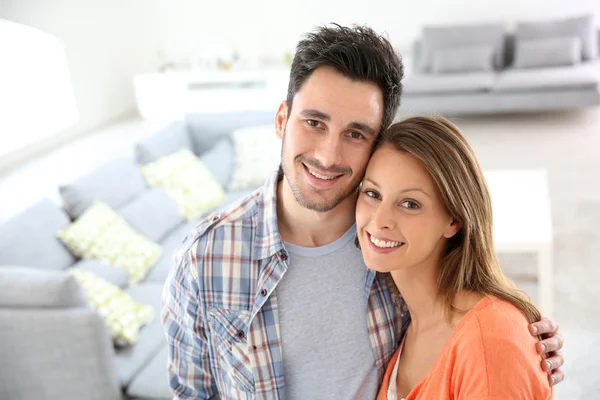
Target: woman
{"points": [[424, 214]]}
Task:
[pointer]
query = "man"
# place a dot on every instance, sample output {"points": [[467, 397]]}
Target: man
{"points": [[275, 286]]}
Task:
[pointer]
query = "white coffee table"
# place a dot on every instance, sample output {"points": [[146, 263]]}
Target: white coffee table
{"points": [[523, 222]]}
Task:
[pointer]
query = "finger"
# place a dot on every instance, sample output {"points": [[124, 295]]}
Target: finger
{"points": [[553, 363], [557, 377], [543, 327], [554, 343]]}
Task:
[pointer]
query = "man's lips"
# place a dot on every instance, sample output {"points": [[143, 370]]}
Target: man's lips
{"points": [[318, 173]]}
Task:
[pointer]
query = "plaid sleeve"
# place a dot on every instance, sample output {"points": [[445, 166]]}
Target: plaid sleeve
{"points": [[188, 362]]}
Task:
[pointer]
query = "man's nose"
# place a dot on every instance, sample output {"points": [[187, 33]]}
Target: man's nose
{"points": [[329, 150]]}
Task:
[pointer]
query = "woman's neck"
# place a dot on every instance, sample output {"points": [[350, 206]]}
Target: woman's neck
{"points": [[418, 287]]}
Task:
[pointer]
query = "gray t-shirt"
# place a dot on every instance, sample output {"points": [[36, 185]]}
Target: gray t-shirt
{"points": [[327, 352]]}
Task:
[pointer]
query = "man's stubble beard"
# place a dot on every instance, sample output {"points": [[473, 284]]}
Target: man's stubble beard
{"points": [[304, 201]]}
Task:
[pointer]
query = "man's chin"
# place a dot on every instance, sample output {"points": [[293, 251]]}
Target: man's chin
{"points": [[318, 206]]}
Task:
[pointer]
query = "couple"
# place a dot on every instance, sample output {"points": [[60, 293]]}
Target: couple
{"points": [[271, 298]]}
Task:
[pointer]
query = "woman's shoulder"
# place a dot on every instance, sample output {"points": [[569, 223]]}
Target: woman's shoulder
{"points": [[497, 326], [493, 316], [494, 346]]}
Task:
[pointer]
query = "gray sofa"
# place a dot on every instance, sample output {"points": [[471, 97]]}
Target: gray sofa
{"points": [[482, 69], [52, 344]]}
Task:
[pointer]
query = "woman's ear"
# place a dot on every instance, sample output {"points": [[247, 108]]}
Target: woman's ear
{"points": [[281, 119], [453, 228]]}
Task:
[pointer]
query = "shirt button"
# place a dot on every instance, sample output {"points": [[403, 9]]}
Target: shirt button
{"points": [[240, 334], [283, 256], [263, 292]]}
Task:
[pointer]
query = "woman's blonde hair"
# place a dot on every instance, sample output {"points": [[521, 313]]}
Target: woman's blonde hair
{"points": [[469, 262]]}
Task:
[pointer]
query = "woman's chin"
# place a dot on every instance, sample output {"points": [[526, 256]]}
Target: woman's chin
{"points": [[378, 267]]}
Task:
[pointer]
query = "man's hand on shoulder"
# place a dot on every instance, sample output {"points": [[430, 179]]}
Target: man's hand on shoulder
{"points": [[550, 348]]}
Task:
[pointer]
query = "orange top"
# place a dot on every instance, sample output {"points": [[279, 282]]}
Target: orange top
{"points": [[490, 356]]}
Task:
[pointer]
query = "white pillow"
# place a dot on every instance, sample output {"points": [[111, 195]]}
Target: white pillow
{"points": [[257, 153]]}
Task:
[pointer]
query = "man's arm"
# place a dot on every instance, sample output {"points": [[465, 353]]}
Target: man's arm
{"points": [[550, 348], [188, 364]]}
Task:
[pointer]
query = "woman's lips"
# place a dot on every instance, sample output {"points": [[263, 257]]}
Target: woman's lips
{"points": [[382, 250]]}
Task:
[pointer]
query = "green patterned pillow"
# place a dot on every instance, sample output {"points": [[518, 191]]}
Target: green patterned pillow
{"points": [[187, 181], [101, 234], [123, 316]]}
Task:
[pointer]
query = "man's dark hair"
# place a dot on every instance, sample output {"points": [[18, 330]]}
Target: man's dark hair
{"points": [[356, 52]]}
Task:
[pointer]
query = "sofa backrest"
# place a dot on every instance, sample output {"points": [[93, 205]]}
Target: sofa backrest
{"points": [[207, 129], [173, 137], [509, 50], [115, 183]]}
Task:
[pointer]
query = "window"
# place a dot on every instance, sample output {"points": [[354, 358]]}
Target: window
{"points": [[36, 94]]}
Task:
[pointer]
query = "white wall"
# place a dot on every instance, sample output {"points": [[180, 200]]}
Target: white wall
{"points": [[273, 26], [106, 43]]}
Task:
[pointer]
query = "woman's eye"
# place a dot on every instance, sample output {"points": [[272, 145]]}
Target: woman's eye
{"points": [[411, 205], [371, 193]]}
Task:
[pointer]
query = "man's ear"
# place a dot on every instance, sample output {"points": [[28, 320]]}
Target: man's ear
{"points": [[281, 119], [453, 228]]}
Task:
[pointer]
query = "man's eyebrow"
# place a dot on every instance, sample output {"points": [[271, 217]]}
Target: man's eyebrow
{"points": [[315, 114]]}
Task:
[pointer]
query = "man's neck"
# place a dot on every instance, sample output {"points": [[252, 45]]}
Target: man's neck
{"points": [[307, 228]]}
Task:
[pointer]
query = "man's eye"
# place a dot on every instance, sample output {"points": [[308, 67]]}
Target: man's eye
{"points": [[411, 205], [312, 122], [356, 135]]}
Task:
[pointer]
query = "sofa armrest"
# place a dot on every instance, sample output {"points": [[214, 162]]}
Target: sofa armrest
{"points": [[26, 287], [56, 354]]}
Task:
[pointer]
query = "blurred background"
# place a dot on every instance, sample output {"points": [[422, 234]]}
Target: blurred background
{"points": [[92, 93]]}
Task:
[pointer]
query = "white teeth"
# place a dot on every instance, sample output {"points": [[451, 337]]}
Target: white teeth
{"points": [[327, 178], [383, 243]]}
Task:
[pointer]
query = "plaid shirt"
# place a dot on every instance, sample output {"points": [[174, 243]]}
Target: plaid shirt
{"points": [[220, 308]]}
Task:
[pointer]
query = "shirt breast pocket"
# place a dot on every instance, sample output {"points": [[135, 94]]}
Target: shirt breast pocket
{"points": [[231, 329]]}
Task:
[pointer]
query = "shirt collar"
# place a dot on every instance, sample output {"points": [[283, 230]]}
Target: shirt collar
{"points": [[268, 240]]}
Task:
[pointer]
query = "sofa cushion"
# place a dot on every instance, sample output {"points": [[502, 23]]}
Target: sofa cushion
{"points": [[123, 316], [441, 37], [582, 27], [35, 288], [152, 213], [131, 360], [187, 182], [449, 83], [101, 234], [207, 129], [152, 382], [108, 272], [257, 153], [170, 139], [29, 238], [536, 53], [115, 183], [463, 59], [583, 76], [219, 160]]}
